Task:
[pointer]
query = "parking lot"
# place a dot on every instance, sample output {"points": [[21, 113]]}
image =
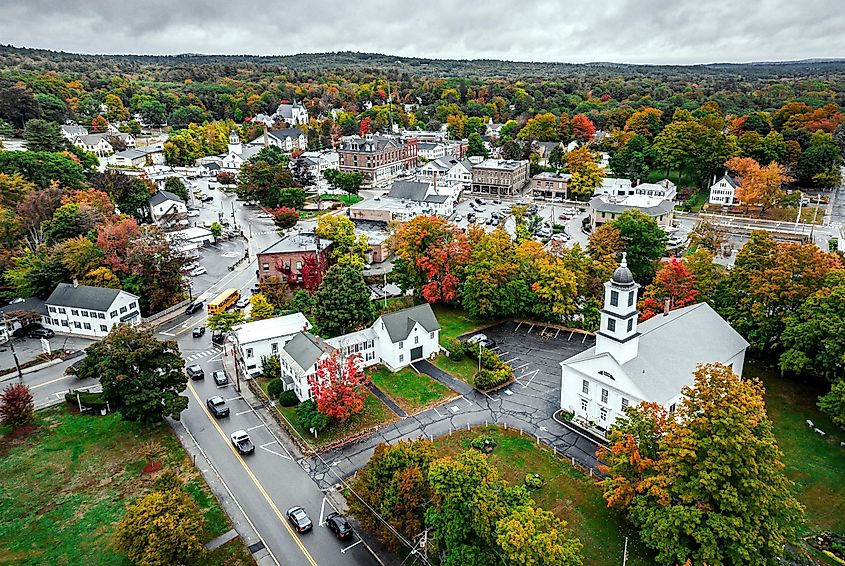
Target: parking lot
{"points": [[28, 349]]}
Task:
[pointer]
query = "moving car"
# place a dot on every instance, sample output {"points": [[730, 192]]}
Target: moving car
{"points": [[242, 303], [458, 218], [198, 332], [471, 218], [207, 198], [194, 307], [299, 519], [242, 443], [72, 368], [217, 406], [193, 213], [198, 271], [220, 377], [41, 333], [483, 340], [338, 524], [217, 337], [195, 372]]}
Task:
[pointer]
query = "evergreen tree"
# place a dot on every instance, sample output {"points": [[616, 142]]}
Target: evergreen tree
{"points": [[342, 302]]}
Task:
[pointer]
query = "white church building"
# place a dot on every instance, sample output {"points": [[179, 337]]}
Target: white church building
{"points": [[652, 361]]}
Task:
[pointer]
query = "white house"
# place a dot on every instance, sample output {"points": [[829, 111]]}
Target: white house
{"points": [[431, 150], [664, 189], [287, 139], [318, 162], [449, 168], [71, 131], [89, 311], [97, 144], [293, 114], [254, 341], [723, 191], [166, 204], [236, 154], [139, 157], [395, 340], [651, 361], [614, 187]]}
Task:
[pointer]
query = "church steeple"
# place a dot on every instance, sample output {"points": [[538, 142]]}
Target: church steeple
{"points": [[618, 334], [235, 143]]}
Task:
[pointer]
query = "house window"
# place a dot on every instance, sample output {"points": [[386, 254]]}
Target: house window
{"points": [[298, 265], [265, 266], [274, 348], [64, 323], [113, 314], [123, 310], [401, 345], [604, 394], [585, 387], [630, 324], [614, 298], [77, 325], [624, 403], [87, 326], [61, 310], [603, 414], [431, 335], [611, 324], [416, 339], [584, 405], [101, 315], [103, 328], [74, 312], [401, 358], [249, 352], [84, 313], [132, 305], [52, 309]]}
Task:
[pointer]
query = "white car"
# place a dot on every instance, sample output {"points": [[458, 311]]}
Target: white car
{"points": [[242, 442], [198, 271], [193, 213], [242, 303], [263, 215]]}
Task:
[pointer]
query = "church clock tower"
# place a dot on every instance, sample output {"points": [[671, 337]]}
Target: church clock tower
{"points": [[618, 334]]}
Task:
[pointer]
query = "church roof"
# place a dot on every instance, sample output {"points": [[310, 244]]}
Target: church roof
{"points": [[672, 345]]}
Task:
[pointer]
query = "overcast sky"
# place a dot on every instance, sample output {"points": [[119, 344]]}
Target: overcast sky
{"points": [[625, 31]]}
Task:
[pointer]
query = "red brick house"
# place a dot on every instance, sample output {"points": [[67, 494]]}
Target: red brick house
{"points": [[294, 259]]}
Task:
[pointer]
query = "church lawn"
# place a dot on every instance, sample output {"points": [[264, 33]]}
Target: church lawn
{"points": [[375, 414], [568, 493], [66, 485], [410, 390]]}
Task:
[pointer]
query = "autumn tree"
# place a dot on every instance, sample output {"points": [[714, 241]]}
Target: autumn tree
{"points": [[583, 128], [347, 247], [705, 273], [431, 254], [141, 376], [261, 307], [644, 241], [542, 127], [690, 145], [284, 218], [532, 536], [645, 122], [586, 173], [706, 235], [339, 386], [274, 290], [759, 186], [13, 188], [556, 287], [342, 301], [226, 320], [17, 406], [673, 283], [99, 125]]}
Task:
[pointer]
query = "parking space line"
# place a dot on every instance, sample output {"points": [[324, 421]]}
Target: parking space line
{"points": [[256, 426], [470, 403], [520, 367], [243, 413], [351, 546], [534, 374], [438, 412], [264, 447], [233, 399]]}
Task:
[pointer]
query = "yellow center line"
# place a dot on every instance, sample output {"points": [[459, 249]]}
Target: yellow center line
{"points": [[260, 487]]}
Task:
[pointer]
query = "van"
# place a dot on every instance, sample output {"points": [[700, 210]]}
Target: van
{"points": [[194, 307]]}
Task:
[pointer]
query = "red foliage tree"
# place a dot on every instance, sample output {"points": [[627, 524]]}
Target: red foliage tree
{"points": [[583, 128], [114, 238], [365, 127], [226, 178], [296, 152], [339, 385], [99, 125], [17, 407], [285, 217], [673, 282]]}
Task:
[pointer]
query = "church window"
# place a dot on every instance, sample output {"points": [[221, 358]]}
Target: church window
{"points": [[630, 324], [624, 403], [584, 405], [672, 408], [614, 298], [607, 374], [604, 394], [585, 387], [631, 298], [611, 324], [603, 414]]}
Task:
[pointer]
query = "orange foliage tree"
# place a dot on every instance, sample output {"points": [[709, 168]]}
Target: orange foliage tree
{"points": [[759, 186], [675, 282], [339, 385]]}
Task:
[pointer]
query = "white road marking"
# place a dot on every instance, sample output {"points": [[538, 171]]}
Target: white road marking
{"points": [[167, 333], [243, 413], [454, 408], [467, 400], [256, 426], [438, 412], [351, 546], [534, 374], [264, 447], [522, 366]]}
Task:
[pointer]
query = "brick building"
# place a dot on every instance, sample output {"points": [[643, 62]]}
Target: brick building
{"points": [[550, 186], [380, 159], [499, 177], [294, 260]]}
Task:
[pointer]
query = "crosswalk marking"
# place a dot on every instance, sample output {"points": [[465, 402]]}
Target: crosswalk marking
{"points": [[198, 355]]}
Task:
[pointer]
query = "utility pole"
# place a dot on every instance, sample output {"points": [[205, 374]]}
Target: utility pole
{"points": [[625, 553], [12, 346], [815, 211]]}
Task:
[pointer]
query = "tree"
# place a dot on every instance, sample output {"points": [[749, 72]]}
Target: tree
{"points": [[833, 403], [645, 122], [141, 376], [689, 504], [99, 124], [431, 254], [583, 128], [130, 194], [161, 528], [535, 537], [274, 290], [284, 218], [41, 135], [13, 188], [225, 321], [290, 197], [690, 145], [632, 159], [116, 112], [18, 104], [475, 146], [340, 181], [814, 336], [673, 282], [17, 406], [272, 155], [43, 169], [153, 112], [644, 241], [226, 178], [261, 307], [177, 187], [339, 385], [759, 186], [542, 127], [586, 173], [511, 149], [705, 274], [309, 418], [183, 147], [707, 236], [347, 248], [556, 287], [342, 302]]}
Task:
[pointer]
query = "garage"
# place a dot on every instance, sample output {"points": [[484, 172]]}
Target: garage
{"points": [[416, 353]]}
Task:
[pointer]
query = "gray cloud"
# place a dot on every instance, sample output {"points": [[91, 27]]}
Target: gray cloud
{"points": [[629, 31]]}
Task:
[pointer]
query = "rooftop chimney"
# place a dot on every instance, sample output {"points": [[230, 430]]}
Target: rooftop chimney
{"points": [[666, 302]]}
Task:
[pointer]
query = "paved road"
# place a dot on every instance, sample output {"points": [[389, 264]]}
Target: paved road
{"points": [[49, 385]]}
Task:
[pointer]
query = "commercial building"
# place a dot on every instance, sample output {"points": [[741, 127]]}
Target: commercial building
{"points": [[550, 186], [379, 159], [604, 209], [300, 259], [499, 177], [89, 311]]}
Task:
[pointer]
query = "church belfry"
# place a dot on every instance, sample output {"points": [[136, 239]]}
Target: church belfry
{"points": [[618, 334]]}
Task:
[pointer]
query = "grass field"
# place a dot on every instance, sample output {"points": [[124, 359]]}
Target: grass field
{"points": [[463, 369], [410, 390], [66, 485], [454, 322], [568, 493], [348, 200]]}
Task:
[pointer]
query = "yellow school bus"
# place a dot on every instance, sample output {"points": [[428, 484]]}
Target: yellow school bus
{"points": [[223, 301]]}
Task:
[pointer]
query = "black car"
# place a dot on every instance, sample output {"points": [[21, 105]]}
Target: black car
{"points": [[199, 332], [219, 377], [193, 307], [338, 524], [217, 337], [195, 372], [217, 406], [74, 367], [41, 333], [207, 198], [299, 519]]}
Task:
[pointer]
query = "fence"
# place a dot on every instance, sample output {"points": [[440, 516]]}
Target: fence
{"points": [[165, 315]]}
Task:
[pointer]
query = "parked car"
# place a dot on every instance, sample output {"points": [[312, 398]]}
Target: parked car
{"points": [[242, 443], [41, 333], [207, 198], [494, 215], [217, 337], [242, 303], [195, 372], [217, 406], [255, 289], [74, 367], [253, 373], [338, 524], [198, 332], [220, 377], [483, 340], [299, 519], [194, 307], [471, 218], [479, 201], [489, 221], [198, 271], [193, 213]]}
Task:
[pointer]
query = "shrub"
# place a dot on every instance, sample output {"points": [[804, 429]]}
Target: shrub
{"points": [[288, 398], [17, 407], [308, 417], [87, 399], [567, 415], [490, 378], [483, 443], [271, 367], [534, 481], [167, 481], [456, 348], [275, 388], [489, 360]]}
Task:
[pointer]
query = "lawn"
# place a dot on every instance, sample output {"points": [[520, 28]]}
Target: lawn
{"points": [[66, 485], [463, 370], [681, 179], [568, 493], [454, 322], [410, 390], [375, 414], [347, 200]]}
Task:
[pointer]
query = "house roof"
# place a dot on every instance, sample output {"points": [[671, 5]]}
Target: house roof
{"points": [[369, 144], [400, 323], [286, 133], [30, 304], [305, 349], [92, 139], [83, 297], [163, 196], [276, 327], [671, 346], [352, 338], [731, 181], [505, 164], [652, 206], [74, 130], [297, 242], [413, 190]]}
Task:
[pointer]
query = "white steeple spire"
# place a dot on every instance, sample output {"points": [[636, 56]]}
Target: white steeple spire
{"points": [[618, 334]]}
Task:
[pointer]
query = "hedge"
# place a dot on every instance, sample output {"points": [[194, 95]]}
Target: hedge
{"points": [[88, 400], [288, 398], [275, 388], [490, 378]]}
